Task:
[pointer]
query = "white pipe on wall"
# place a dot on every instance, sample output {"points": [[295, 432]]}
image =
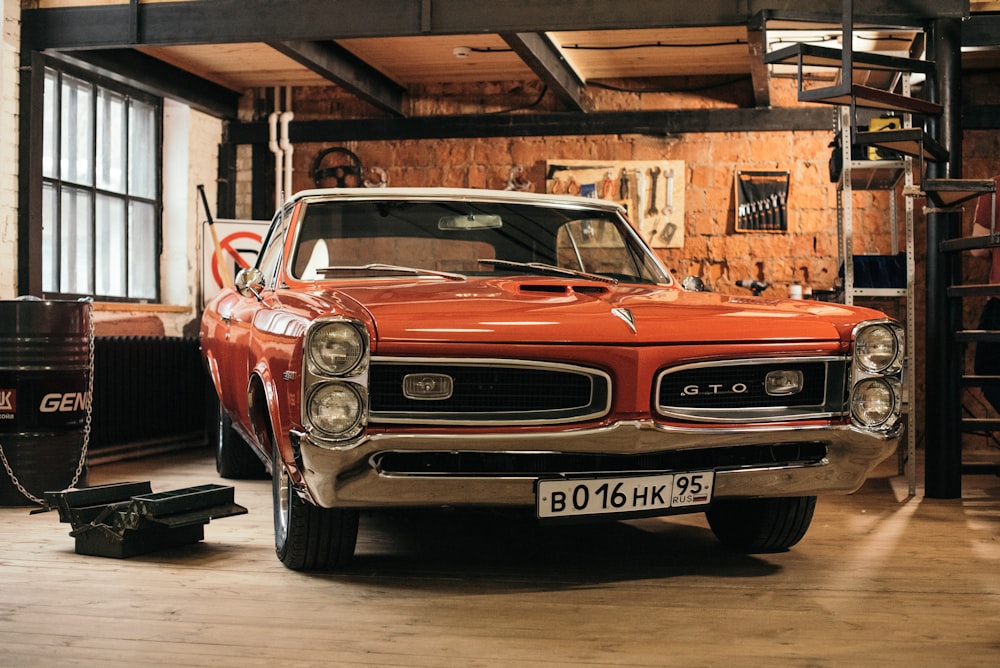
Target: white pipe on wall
{"points": [[272, 143], [287, 148]]}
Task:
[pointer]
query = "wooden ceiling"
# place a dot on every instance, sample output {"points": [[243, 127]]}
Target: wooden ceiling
{"points": [[592, 55], [379, 48]]}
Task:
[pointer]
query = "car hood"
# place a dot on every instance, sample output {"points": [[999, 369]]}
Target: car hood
{"points": [[543, 310]]}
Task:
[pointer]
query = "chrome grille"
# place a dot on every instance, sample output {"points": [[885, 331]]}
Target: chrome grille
{"points": [[734, 390], [493, 392]]}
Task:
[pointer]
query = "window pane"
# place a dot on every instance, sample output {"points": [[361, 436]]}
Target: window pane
{"points": [[111, 140], [76, 135], [50, 125], [142, 150], [142, 250], [50, 249], [76, 243], [101, 189], [111, 260]]}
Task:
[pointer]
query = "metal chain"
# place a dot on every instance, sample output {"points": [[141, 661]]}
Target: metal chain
{"points": [[86, 426]]}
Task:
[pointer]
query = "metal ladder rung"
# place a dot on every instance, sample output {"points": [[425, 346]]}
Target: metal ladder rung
{"points": [[977, 336]]}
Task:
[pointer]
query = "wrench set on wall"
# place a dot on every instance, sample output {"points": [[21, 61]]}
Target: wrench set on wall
{"points": [[652, 193], [761, 201]]}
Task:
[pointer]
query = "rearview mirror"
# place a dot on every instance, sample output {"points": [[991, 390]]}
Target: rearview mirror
{"points": [[470, 221]]}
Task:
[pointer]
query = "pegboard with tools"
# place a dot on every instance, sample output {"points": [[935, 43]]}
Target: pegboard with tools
{"points": [[652, 192]]}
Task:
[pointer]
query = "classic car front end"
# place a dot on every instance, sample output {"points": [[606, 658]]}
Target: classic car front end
{"points": [[502, 349]]}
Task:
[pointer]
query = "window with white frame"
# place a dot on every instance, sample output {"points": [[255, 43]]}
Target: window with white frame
{"points": [[100, 190]]}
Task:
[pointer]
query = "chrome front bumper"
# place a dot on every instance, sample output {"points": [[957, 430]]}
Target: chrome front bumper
{"points": [[347, 478]]}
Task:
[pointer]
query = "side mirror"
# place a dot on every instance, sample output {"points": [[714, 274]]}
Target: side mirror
{"points": [[250, 282], [694, 284]]}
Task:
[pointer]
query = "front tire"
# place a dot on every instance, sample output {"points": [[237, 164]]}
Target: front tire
{"points": [[307, 537], [761, 525], [234, 458]]}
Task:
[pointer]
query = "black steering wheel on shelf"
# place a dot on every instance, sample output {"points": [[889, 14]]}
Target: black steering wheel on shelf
{"points": [[345, 174]]}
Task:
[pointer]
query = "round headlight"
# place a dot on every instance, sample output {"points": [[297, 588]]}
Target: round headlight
{"points": [[877, 349], [873, 402], [336, 348], [336, 410]]}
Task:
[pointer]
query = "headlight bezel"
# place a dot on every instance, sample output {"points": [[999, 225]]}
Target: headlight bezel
{"points": [[889, 416], [878, 356], [348, 392], [865, 339], [327, 330], [319, 376]]}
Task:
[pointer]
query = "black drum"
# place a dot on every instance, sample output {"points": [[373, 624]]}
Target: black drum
{"points": [[44, 395]]}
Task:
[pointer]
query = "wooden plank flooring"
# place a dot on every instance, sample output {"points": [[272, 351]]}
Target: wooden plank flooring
{"points": [[877, 581]]}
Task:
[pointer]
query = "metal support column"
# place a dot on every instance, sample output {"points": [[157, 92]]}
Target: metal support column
{"points": [[942, 427]]}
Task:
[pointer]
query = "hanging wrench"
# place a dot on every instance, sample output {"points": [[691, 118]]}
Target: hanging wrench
{"points": [[654, 172], [669, 208], [640, 196]]}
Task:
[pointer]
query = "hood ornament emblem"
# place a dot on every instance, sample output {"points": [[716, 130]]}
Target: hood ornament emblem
{"points": [[626, 316]]}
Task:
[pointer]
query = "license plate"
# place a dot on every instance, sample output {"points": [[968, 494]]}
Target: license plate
{"points": [[630, 495]]}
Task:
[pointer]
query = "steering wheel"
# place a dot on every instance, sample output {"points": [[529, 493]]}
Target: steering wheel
{"points": [[343, 175]]}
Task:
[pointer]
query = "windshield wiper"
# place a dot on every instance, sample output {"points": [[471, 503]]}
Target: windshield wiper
{"points": [[392, 268], [542, 268]]}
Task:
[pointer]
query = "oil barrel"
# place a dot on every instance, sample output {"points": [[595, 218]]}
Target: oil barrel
{"points": [[45, 366]]}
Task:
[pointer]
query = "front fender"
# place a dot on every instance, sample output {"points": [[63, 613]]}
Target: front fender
{"points": [[270, 421]]}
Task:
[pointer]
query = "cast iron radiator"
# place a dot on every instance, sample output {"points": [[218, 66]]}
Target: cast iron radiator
{"points": [[148, 390]]}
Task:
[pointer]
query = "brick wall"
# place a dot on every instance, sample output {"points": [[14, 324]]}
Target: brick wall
{"points": [[9, 143], [712, 250]]}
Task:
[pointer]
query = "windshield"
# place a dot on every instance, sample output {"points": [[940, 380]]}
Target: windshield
{"points": [[340, 238]]}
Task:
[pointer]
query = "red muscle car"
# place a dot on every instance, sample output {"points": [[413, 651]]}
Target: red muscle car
{"points": [[431, 347]]}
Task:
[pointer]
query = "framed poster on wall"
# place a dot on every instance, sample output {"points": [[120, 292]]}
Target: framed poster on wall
{"points": [[762, 201], [239, 241]]}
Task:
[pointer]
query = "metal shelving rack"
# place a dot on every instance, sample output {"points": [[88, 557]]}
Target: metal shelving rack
{"points": [[887, 89], [888, 175]]}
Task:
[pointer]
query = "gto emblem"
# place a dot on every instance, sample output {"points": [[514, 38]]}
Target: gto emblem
{"points": [[713, 388]]}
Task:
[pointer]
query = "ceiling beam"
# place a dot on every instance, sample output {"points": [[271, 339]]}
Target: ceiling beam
{"points": [[157, 78], [230, 21], [981, 30], [338, 65], [655, 123], [541, 55], [760, 74]]}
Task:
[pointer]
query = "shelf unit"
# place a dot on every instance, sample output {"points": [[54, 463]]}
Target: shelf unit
{"points": [[891, 176], [880, 82]]}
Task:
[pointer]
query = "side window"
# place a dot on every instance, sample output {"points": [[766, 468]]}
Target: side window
{"points": [[271, 252]]}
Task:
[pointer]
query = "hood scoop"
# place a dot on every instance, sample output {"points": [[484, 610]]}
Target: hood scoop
{"points": [[560, 289]]}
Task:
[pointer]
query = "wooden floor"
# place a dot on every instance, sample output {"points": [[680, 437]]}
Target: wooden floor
{"points": [[877, 581]]}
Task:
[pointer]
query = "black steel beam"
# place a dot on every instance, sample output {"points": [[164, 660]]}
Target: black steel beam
{"points": [[658, 123], [545, 60], [230, 21], [156, 77], [981, 30], [760, 74], [337, 64], [29, 176]]}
